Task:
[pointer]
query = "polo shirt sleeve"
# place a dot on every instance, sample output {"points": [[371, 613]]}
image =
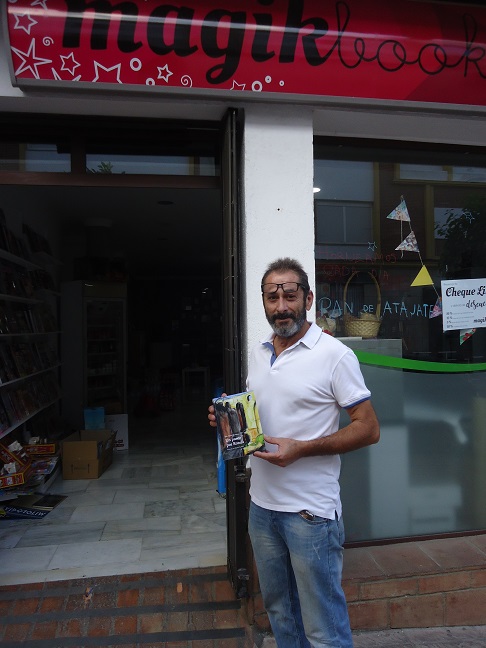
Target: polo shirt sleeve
{"points": [[348, 383]]}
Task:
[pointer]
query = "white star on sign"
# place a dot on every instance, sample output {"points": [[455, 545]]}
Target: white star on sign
{"points": [[74, 63], [166, 76], [99, 67], [22, 18], [238, 86], [29, 60], [55, 75]]}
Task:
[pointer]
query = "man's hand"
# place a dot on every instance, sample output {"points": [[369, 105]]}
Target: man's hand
{"points": [[364, 430], [212, 415], [288, 451]]}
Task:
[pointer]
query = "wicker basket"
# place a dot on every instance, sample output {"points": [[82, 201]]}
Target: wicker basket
{"points": [[366, 325]]}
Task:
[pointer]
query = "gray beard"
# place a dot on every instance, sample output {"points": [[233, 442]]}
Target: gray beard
{"points": [[288, 330]]}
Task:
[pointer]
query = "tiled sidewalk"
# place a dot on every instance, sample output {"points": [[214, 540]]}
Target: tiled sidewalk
{"points": [[462, 637]]}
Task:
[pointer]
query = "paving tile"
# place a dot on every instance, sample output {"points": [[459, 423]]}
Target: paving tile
{"points": [[26, 560], [360, 564], [478, 541], [62, 534], [453, 553], [107, 512], [95, 553], [402, 559], [140, 494], [384, 639]]}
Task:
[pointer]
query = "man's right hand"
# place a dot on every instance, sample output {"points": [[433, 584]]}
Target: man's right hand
{"points": [[212, 415]]}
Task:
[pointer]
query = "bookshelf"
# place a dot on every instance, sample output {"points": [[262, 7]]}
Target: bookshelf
{"points": [[93, 343], [29, 335]]}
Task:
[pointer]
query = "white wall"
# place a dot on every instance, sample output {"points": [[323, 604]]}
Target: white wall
{"points": [[277, 201]]}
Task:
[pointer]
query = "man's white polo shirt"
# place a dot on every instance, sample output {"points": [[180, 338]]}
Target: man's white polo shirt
{"points": [[299, 396]]}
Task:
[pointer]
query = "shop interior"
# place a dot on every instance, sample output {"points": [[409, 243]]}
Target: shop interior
{"points": [[160, 249], [164, 247]]}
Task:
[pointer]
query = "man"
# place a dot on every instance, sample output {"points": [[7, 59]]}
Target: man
{"points": [[302, 378]]}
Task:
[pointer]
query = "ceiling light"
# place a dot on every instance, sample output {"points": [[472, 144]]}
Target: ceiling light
{"points": [[317, 189]]}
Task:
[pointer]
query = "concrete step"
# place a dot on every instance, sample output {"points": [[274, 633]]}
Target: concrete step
{"points": [[194, 608]]}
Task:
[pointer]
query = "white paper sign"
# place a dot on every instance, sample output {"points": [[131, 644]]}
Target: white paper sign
{"points": [[463, 304]]}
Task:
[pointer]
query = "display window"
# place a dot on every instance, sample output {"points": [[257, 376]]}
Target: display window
{"points": [[50, 146], [398, 232], [35, 156]]}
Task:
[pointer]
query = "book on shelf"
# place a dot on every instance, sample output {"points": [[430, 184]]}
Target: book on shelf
{"points": [[8, 404], [42, 318], [15, 281], [22, 401], [4, 421], [25, 284], [8, 367], [44, 465], [23, 325], [24, 359], [238, 425], [3, 232], [47, 357], [4, 324]]}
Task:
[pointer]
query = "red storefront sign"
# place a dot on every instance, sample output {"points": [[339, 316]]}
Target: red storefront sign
{"points": [[405, 50]]}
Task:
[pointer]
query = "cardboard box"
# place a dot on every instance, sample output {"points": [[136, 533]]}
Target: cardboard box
{"points": [[86, 454], [119, 424]]}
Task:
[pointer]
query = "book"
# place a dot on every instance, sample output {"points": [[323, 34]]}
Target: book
{"points": [[238, 425], [8, 367]]}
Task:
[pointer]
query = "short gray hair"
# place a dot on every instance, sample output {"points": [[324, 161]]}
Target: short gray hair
{"points": [[286, 264]]}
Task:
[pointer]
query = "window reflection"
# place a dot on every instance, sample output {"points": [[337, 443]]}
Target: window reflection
{"points": [[106, 162], [426, 475], [33, 157], [355, 237]]}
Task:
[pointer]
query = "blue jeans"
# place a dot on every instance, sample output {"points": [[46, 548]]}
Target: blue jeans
{"points": [[299, 565]]}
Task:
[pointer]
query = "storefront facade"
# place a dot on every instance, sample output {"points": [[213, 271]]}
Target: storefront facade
{"points": [[379, 111]]}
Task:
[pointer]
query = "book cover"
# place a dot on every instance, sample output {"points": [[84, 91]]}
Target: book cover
{"points": [[238, 425]]}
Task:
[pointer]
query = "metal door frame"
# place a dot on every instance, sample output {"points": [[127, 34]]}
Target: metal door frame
{"points": [[236, 480]]}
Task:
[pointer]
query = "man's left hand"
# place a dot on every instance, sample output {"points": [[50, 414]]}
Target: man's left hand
{"points": [[288, 451]]}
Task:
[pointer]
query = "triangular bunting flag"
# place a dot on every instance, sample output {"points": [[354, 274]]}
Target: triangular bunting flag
{"points": [[437, 310], [423, 278], [465, 334], [409, 244], [400, 213]]}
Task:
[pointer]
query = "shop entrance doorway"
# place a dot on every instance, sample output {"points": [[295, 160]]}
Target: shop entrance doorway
{"points": [[118, 216]]}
